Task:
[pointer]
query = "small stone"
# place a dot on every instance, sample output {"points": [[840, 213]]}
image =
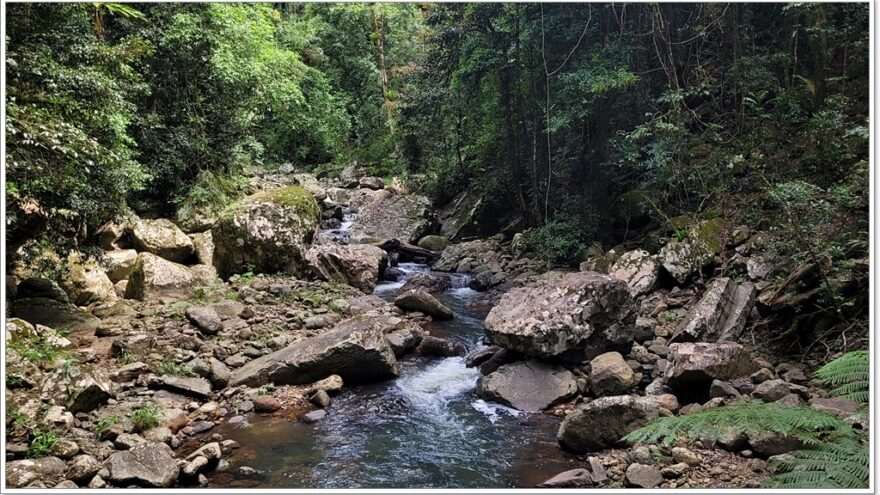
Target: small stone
{"points": [[762, 375], [771, 390], [321, 399], [266, 404], [314, 416], [200, 427], [159, 434], [574, 478], [681, 454], [642, 476], [722, 389], [83, 467], [126, 441]]}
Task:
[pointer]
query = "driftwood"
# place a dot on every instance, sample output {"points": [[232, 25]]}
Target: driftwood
{"points": [[406, 250]]}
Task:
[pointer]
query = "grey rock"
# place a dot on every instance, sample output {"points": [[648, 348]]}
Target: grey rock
{"points": [[314, 416], [639, 270], [162, 238], [205, 318], [83, 468], [574, 316], [721, 313], [37, 287], [720, 388], [610, 375], [693, 366], [527, 385], [421, 300], [49, 470], [358, 265], [434, 346], [642, 476], [355, 349], [321, 399], [771, 390], [603, 422], [148, 464], [573, 478], [404, 340], [194, 387]]}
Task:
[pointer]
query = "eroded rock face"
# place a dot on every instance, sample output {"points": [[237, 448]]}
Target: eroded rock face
{"points": [[154, 277], [355, 349], [693, 366], [527, 385], [573, 316], [271, 230], [406, 218], [358, 265], [720, 314], [639, 270], [162, 238], [147, 464], [601, 424]]}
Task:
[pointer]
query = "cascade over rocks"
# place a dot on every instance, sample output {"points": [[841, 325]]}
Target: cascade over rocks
{"points": [[720, 315], [527, 385], [574, 316], [354, 349], [358, 265], [271, 230]]}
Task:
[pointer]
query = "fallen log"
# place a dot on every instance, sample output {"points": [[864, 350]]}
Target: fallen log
{"points": [[407, 251]]}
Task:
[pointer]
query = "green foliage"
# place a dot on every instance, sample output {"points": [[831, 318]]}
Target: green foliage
{"points": [[266, 389], [147, 417], [563, 239], [17, 419], [41, 443], [35, 349], [849, 374], [105, 423], [801, 422], [842, 463], [169, 367]]}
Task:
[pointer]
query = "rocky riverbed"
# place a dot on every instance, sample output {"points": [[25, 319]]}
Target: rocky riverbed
{"points": [[323, 334]]}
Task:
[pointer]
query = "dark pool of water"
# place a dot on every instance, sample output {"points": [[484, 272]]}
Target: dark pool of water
{"points": [[426, 429]]}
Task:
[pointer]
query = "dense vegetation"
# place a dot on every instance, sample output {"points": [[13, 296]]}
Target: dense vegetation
{"points": [[582, 122]]}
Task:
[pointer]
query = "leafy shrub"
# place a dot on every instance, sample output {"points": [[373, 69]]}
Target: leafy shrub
{"points": [[563, 239], [41, 443], [147, 417]]}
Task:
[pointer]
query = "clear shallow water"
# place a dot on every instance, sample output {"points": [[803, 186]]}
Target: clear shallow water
{"points": [[425, 429]]}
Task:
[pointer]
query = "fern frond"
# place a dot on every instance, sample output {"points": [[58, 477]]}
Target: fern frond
{"points": [[804, 423], [839, 463], [850, 373]]}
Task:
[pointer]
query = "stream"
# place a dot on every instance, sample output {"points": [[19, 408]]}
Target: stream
{"points": [[424, 429]]}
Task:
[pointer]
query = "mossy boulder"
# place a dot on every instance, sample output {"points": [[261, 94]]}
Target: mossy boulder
{"points": [[267, 232]]}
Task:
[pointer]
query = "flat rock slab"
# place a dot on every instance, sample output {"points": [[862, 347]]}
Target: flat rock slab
{"points": [[355, 349], [721, 313], [148, 464], [196, 387], [527, 385]]}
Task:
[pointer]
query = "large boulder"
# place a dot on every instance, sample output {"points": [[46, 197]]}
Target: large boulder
{"points": [[406, 218], [684, 258], [267, 232], [694, 365], [155, 278], [639, 270], [459, 218], [421, 300], [468, 254], [528, 385], [433, 242], [574, 316], [203, 244], [354, 349], [119, 264], [147, 464], [55, 314], [41, 288], [721, 314], [86, 283], [162, 238], [358, 265], [610, 374], [311, 184], [601, 424], [47, 470], [429, 282]]}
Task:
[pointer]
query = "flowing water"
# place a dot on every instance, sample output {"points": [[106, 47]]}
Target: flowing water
{"points": [[426, 429]]}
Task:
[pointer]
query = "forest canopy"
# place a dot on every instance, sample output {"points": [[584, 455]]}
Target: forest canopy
{"points": [[585, 122]]}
